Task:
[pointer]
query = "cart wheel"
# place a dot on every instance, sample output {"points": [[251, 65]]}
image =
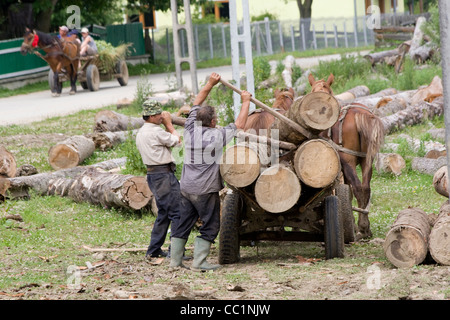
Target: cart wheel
{"points": [[122, 69], [344, 193], [84, 85], [92, 77], [334, 235], [229, 245], [51, 82]]}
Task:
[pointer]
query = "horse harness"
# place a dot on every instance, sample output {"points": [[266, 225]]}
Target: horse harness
{"points": [[55, 42], [342, 116]]}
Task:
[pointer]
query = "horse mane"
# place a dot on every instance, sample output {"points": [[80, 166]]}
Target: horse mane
{"points": [[46, 38]]}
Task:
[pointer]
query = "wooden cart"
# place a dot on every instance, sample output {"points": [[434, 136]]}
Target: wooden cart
{"points": [[295, 199], [89, 74]]}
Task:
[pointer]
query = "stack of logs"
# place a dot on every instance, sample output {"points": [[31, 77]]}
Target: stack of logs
{"points": [[310, 162], [416, 236]]}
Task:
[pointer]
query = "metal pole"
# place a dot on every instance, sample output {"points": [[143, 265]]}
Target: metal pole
{"points": [[444, 17]]}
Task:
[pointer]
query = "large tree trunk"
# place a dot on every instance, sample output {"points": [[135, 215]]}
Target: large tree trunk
{"points": [[413, 114], [8, 165], [44, 17], [428, 165], [107, 120], [18, 187], [417, 38], [439, 238], [305, 8], [315, 112], [104, 188], [406, 242], [277, 188], [317, 163], [380, 56], [70, 152]]}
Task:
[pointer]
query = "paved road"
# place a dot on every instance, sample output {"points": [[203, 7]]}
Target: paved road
{"points": [[23, 109]]}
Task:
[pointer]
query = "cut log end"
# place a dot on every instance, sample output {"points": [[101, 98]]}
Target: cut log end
{"points": [[137, 193], [62, 156], [240, 166], [277, 189], [405, 248]]}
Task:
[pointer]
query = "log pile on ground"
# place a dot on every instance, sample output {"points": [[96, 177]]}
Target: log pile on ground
{"points": [[415, 234], [307, 162], [70, 152]]}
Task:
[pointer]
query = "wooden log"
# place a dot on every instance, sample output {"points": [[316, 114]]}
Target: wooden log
{"points": [[18, 187], [315, 112], [317, 163], [427, 165], [287, 72], [389, 163], [70, 152], [439, 245], [104, 188], [108, 139], [406, 242], [423, 53], [108, 120], [440, 181], [430, 92], [352, 94], [240, 165], [8, 165], [417, 38], [277, 189], [413, 114], [376, 57], [390, 107]]}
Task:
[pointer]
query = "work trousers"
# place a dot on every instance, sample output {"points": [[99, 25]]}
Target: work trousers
{"points": [[166, 190], [205, 207]]}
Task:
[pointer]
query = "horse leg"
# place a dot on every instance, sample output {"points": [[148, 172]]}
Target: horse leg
{"points": [[73, 80], [57, 85], [363, 217]]}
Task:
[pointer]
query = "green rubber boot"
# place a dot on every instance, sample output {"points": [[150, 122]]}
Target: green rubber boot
{"points": [[177, 252], [201, 251]]}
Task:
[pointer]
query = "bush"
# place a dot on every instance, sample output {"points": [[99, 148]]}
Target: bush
{"points": [[261, 69]]}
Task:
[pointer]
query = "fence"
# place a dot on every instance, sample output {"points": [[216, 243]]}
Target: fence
{"points": [[269, 37]]}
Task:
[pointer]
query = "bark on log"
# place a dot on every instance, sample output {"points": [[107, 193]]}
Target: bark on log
{"points": [[413, 114], [352, 94], [107, 120], [287, 72], [315, 112], [440, 181], [376, 57], [317, 163], [417, 36], [406, 242], [429, 93], [389, 163], [107, 140], [70, 152], [240, 165], [428, 166], [277, 188], [104, 188], [18, 187], [439, 237], [8, 165]]}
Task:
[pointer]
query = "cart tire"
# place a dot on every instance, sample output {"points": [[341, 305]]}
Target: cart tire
{"points": [[344, 193], [334, 235], [51, 82], [229, 243], [122, 70], [92, 77], [84, 85]]}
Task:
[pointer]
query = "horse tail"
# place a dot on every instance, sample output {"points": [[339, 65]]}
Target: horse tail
{"points": [[371, 129]]}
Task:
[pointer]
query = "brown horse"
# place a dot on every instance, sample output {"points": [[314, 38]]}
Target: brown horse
{"points": [[262, 120], [360, 134], [61, 55]]}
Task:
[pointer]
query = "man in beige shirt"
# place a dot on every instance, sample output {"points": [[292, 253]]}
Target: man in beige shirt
{"points": [[154, 144]]}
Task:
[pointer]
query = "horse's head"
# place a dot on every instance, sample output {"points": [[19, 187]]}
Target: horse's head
{"points": [[283, 98], [321, 85], [30, 41]]}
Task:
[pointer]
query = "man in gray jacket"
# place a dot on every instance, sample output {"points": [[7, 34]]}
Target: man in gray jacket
{"points": [[200, 179]]}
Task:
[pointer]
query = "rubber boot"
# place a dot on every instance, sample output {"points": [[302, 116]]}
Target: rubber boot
{"points": [[201, 251], [177, 252]]}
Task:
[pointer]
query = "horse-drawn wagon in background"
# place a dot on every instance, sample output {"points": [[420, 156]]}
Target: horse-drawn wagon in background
{"points": [[65, 63], [289, 185]]}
